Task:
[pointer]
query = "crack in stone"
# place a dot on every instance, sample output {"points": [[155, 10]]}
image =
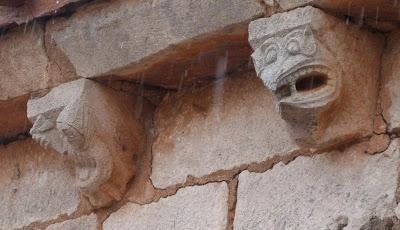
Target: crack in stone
{"points": [[232, 200]]}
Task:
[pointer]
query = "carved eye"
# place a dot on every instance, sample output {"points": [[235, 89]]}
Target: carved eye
{"points": [[271, 54], [293, 46]]}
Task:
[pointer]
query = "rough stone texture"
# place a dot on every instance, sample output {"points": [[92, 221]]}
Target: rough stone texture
{"points": [[13, 118], [23, 63], [35, 185], [198, 207], [378, 143], [216, 127], [81, 223], [166, 42], [376, 223], [375, 9], [294, 49], [320, 192], [235, 122], [11, 3], [391, 83], [25, 68], [30, 10]]}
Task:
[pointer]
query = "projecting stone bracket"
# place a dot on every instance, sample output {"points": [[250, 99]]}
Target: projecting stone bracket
{"points": [[97, 128], [301, 57]]}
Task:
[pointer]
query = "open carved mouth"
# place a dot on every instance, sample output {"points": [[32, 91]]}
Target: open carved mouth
{"points": [[85, 166], [310, 85]]}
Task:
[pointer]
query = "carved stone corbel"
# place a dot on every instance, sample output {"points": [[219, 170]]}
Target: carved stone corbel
{"points": [[97, 127], [303, 75]]}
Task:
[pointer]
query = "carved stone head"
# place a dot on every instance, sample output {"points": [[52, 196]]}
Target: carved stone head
{"points": [[303, 75], [64, 131], [97, 128]]}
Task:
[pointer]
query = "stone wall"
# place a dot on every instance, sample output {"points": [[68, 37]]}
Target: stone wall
{"points": [[199, 114]]}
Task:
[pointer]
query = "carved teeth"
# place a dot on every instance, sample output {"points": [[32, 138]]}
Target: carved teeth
{"points": [[308, 70]]}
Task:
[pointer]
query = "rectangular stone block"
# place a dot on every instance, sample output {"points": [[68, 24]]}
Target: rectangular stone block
{"points": [[197, 207], [335, 190], [23, 63], [167, 42], [217, 127], [35, 185]]}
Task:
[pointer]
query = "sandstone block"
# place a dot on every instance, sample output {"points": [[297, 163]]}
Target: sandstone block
{"points": [[198, 207], [217, 127], [336, 190], [81, 223], [98, 127], [167, 42], [36, 185], [23, 63], [303, 56]]}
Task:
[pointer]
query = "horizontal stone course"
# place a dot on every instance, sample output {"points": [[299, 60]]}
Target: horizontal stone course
{"points": [[217, 127], [197, 207], [166, 42]]}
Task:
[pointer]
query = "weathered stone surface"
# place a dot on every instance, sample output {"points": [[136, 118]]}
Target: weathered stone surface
{"points": [[303, 56], [13, 118], [81, 223], [198, 207], [11, 3], [391, 83], [374, 9], [165, 42], [23, 63], [98, 127], [35, 185], [217, 127], [25, 68], [320, 192], [378, 143]]}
